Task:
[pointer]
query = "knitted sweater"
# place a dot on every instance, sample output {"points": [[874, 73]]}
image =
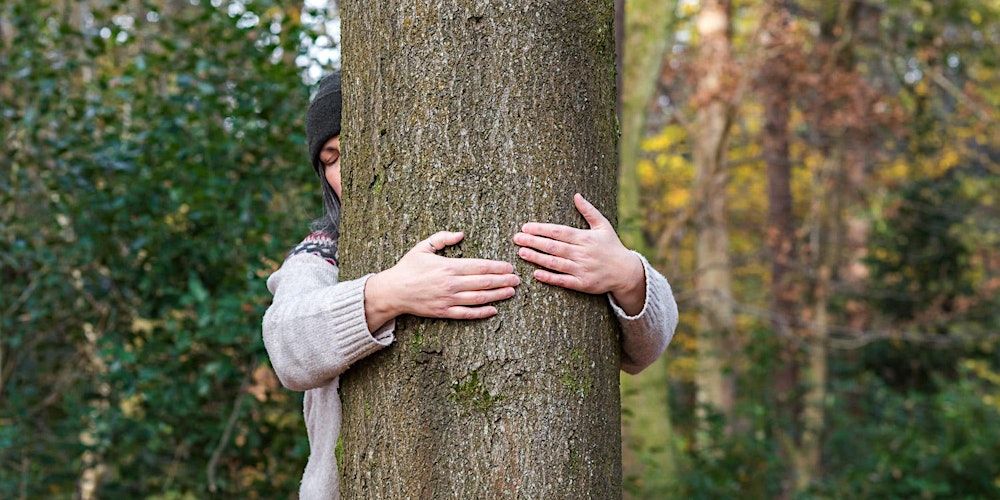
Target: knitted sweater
{"points": [[315, 329]]}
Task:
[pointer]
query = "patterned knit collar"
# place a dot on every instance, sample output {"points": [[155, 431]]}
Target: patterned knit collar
{"points": [[319, 243]]}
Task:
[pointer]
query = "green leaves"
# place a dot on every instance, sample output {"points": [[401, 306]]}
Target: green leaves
{"points": [[165, 153]]}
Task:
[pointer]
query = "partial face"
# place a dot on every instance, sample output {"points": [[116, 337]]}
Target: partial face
{"points": [[329, 157]]}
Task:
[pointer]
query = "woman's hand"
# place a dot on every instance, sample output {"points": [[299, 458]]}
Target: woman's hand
{"points": [[425, 284], [587, 260]]}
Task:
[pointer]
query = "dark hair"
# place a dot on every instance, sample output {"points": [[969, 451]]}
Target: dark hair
{"points": [[329, 222], [322, 124]]}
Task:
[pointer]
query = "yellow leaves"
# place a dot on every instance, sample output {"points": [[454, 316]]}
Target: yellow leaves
{"points": [[282, 418], [144, 325], [678, 198], [646, 173], [895, 173], [665, 139], [883, 255], [746, 189], [900, 170], [672, 170], [922, 88], [131, 407], [949, 160], [178, 220], [684, 367], [754, 122], [982, 369], [688, 8]]}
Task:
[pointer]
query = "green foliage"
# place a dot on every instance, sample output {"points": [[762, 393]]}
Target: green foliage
{"points": [[889, 444], [154, 173]]}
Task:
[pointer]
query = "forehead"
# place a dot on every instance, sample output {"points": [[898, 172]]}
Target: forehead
{"points": [[333, 142]]}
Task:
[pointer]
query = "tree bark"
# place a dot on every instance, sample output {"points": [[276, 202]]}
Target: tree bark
{"points": [[711, 128], [480, 117]]}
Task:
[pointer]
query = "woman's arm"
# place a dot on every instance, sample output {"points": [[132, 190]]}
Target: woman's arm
{"points": [[646, 309], [317, 327]]}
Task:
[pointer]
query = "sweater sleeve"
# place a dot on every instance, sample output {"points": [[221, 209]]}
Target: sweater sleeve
{"points": [[316, 327], [646, 334]]}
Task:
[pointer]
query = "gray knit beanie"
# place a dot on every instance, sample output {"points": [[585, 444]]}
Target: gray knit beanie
{"points": [[323, 117]]}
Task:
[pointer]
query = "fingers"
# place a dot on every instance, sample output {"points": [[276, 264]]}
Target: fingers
{"points": [[563, 280], [555, 231], [483, 282], [550, 261], [467, 266], [547, 245], [439, 240], [465, 312], [590, 212], [482, 296]]}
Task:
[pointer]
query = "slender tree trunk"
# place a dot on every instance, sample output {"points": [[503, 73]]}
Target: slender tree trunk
{"points": [[825, 240], [480, 118], [711, 128], [786, 309], [645, 43], [649, 430], [776, 100], [838, 241]]}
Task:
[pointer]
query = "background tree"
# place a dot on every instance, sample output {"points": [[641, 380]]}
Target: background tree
{"points": [[646, 423], [714, 93]]}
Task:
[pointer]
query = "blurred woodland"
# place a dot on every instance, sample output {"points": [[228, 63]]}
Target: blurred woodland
{"points": [[817, 179]]}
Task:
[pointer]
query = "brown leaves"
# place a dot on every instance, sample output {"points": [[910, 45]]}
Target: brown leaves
{"points": [[265, 383]]}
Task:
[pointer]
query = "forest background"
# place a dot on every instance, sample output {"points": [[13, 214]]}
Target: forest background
{"points": [[817, 179]]}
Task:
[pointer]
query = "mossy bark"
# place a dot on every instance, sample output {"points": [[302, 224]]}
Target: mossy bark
{"points": [[480, 116]]}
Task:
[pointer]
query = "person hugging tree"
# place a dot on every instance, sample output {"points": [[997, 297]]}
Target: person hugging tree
{"points": [[317, 326]]}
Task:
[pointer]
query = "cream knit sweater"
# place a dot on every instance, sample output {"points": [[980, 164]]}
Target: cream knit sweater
{"points": [[315, 329]]}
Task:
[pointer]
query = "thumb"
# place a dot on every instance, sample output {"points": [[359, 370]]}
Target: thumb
{"points": [[590, 212], [439, 240]]}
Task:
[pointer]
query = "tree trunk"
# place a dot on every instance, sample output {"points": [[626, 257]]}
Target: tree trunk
{"points": [[711, 128], [645, 43], [479, 118], [649, 431], [786, 308]]}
